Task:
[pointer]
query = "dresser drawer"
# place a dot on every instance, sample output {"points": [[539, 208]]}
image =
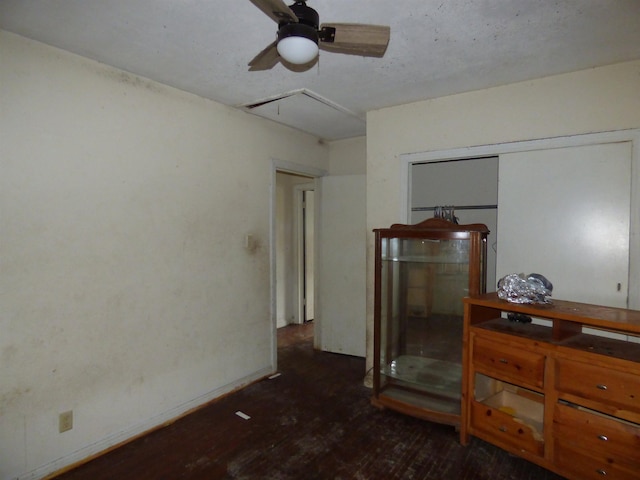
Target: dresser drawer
{"points": [[618, 389], [508, 363], [506, 428], [587, 465], [595, 432]]}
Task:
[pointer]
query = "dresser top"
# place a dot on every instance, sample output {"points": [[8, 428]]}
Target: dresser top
{"points": [[620, 319]]}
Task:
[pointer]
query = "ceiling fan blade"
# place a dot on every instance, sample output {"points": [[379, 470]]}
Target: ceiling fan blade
{"points": [[355, 39], [266, 59], [277, 10]]}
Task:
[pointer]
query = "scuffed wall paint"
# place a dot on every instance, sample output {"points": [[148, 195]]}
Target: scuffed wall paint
{"points": [[127, 293]]}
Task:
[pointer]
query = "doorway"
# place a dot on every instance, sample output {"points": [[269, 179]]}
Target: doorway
{"points": [[284, 233], [294, 248], [469, 186]]}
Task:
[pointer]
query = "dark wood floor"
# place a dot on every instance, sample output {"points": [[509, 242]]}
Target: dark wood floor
{"points": [[314, 421]]}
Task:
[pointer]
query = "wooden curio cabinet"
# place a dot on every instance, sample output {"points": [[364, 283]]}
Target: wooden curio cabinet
{"points": [[422, 273]]}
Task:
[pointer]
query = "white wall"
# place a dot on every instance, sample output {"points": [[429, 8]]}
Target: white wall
{"points": [[348, 156], [595, 100], [127, 293]]}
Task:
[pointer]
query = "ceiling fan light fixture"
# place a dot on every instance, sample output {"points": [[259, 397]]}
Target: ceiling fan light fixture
{"points": [[297, 43], [300, 34]]}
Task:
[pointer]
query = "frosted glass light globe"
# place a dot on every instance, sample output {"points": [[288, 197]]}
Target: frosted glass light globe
{"points": [[297, 50]]}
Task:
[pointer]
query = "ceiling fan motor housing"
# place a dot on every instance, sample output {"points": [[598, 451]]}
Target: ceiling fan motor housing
{"points": [[306, 15], [307, 25]]}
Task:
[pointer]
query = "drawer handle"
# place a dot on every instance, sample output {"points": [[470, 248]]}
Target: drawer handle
{"points": [[502, 428], [604, 438], [602, 472], [504, 360], [601, 386]]}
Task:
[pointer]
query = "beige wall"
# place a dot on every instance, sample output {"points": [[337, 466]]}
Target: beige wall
{"points": [[348, 157], [127, 293], [595, 100]]}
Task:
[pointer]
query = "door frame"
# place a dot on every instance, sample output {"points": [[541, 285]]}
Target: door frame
{"points": [[295, 168]]}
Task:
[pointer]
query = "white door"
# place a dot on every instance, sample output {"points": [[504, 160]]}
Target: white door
{"points": [[342, 271], [565, 213]]}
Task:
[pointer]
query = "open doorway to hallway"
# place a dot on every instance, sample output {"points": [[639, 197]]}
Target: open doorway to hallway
{"points": [[295, 248]]}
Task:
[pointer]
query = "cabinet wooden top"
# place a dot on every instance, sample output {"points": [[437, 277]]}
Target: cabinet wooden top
{"points": [[436, 224], [612, 318]]}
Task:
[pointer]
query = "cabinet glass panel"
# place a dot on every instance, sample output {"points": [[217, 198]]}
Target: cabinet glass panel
{"points": [[422, 274], [423, 282]]}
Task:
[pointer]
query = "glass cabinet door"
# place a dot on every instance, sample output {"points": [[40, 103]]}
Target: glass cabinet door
{"points": [[421, 280]]}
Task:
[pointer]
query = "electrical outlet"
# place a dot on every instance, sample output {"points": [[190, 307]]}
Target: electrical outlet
{"points": [[65, 421]]}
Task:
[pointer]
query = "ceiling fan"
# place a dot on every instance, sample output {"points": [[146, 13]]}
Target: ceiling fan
{"points": [[300, 35]]}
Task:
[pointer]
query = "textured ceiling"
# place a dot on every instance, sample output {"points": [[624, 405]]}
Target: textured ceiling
{"points": [[437, 48]]}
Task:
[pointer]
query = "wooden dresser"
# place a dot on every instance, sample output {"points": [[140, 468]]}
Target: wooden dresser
{"points": [[552, 391]]}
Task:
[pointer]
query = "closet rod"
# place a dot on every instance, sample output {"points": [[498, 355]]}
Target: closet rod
{"points": [[455, 207]]}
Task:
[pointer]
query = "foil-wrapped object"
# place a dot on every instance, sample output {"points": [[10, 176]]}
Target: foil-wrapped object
{"points": [[516, 288]]}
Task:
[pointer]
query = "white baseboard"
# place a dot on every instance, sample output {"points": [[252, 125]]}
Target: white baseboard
{"points": [[136, 430]]}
